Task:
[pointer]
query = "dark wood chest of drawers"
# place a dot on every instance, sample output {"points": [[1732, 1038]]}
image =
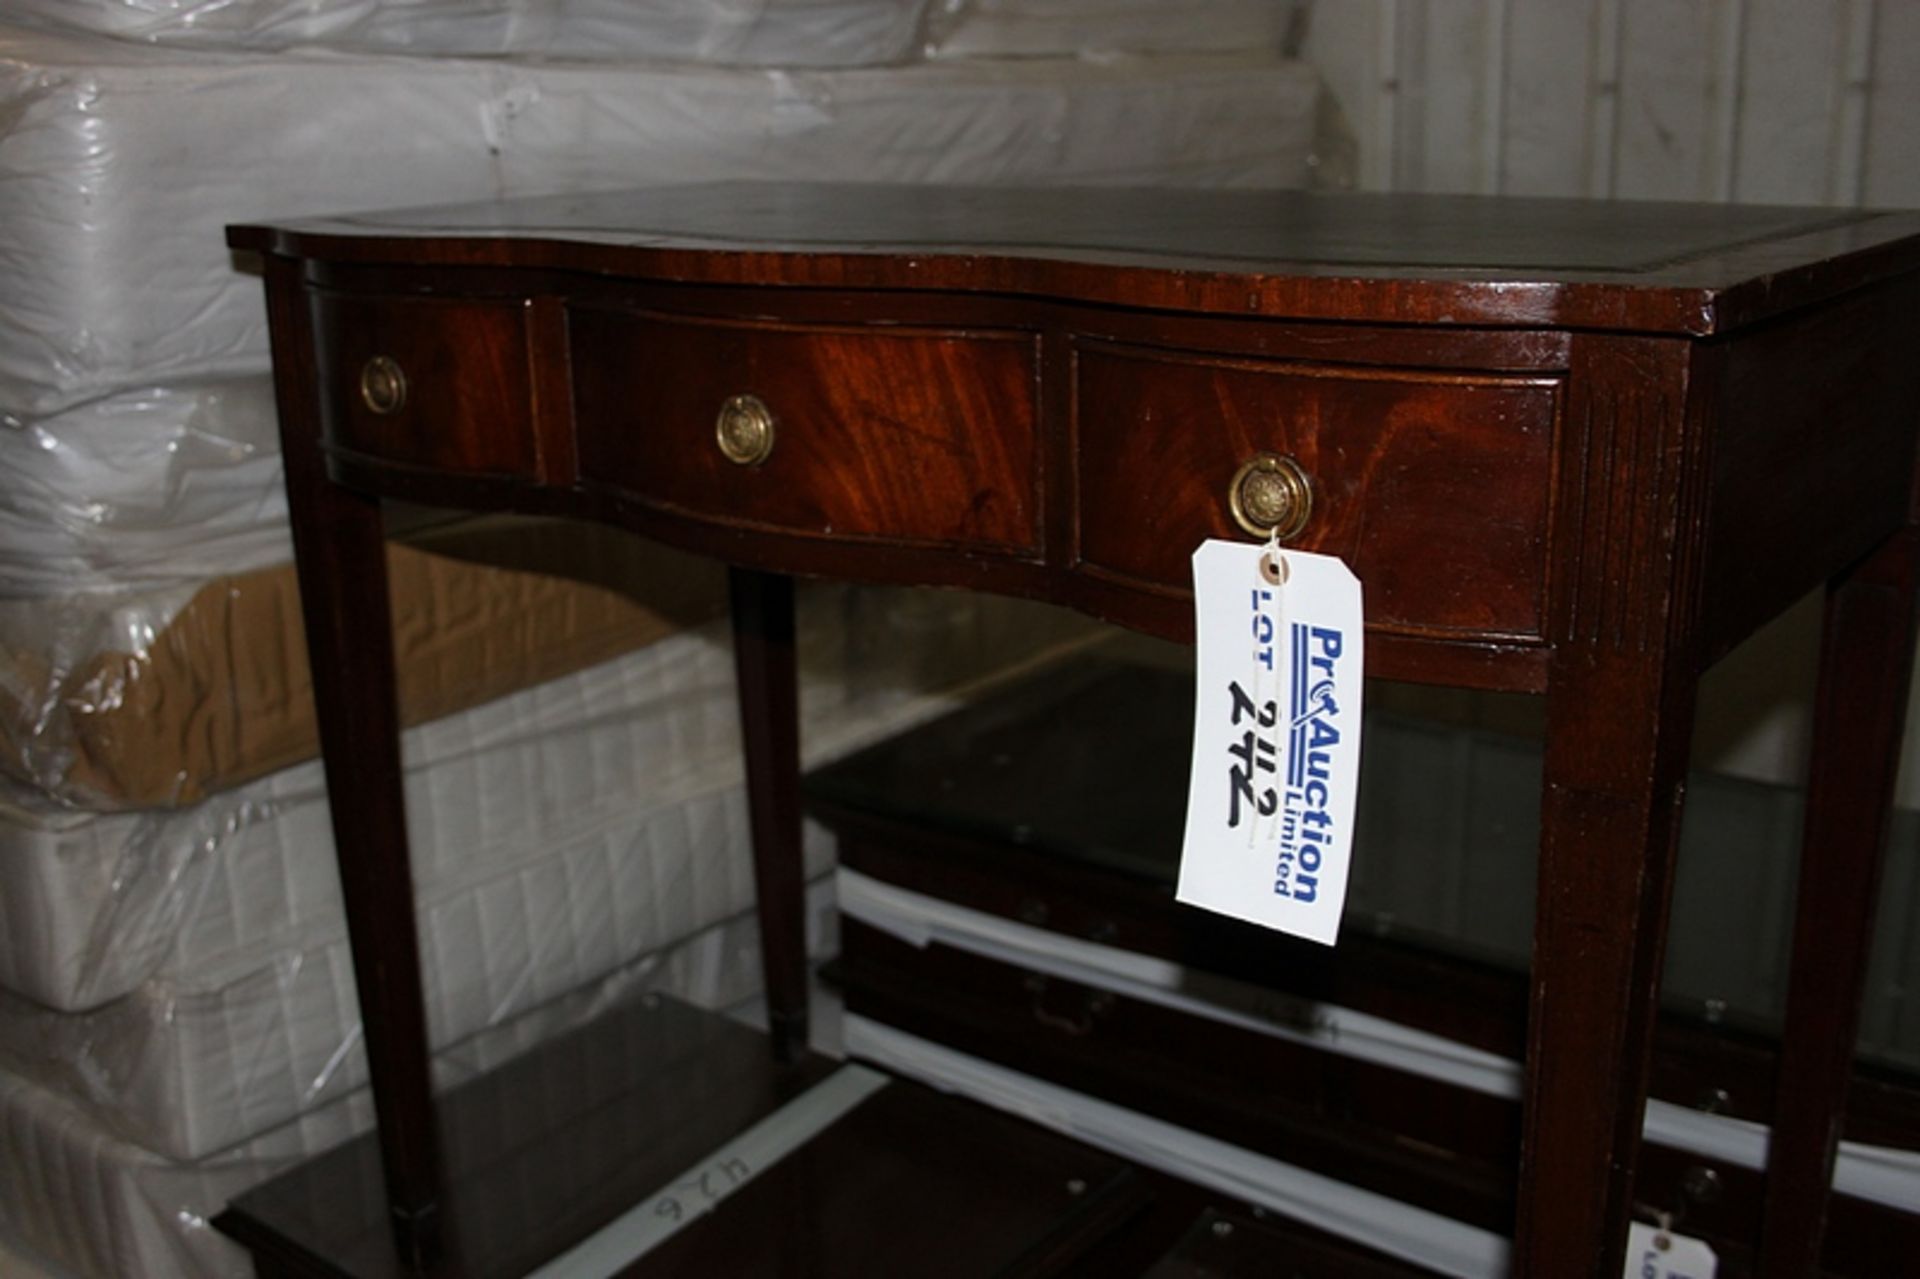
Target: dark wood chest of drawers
{"points": [[1035, 809]]}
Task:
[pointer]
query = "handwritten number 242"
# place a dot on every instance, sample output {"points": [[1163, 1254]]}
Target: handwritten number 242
{"points": [[1254, 754]]}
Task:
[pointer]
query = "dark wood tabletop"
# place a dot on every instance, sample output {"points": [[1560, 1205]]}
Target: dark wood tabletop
{"points": [[1641, 265], [1572, 449]]}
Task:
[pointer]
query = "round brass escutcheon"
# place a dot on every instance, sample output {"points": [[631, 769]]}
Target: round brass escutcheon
{"points": [[383, 387], [745, 430], [1271, 494]]}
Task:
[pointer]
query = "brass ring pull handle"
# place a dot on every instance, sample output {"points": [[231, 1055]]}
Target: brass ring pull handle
{"points": [[1270, 494], [383, 387], [745, 430]]}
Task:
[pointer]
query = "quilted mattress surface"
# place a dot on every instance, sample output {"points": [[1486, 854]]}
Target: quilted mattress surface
{"points": [[121, 163], [141, 700], [84, 1200], [147, 488], [783, 32], [558, 833]]}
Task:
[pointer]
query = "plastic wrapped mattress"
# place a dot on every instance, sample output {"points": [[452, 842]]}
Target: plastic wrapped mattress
{"points": [[93, 903], [748, 32], [1030, 28], [120, 163], [559, 834], [173, 893], [145, 489], [157, 699], [77, 1199], [793, 33]]}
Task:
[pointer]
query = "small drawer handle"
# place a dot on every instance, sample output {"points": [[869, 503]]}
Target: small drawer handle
{"points": [[745, 430], [1270, 495], [383, 387]]}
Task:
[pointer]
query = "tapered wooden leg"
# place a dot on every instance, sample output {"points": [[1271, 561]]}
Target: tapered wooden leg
{"points": [[343, 597], [1610, 819], [1620, 709], [762, 606], [1866, 663]]}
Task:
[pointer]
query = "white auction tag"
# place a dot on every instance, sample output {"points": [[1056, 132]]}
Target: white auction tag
{"points": [[1276, 737], [1654, 1253]]}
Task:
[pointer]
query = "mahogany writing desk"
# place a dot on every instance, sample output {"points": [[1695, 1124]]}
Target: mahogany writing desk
{"points": [[1578, 450]]}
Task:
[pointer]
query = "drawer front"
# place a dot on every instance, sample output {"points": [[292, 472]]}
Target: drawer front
{"points": [[1399, 1133], [427, 383], [900, 434], [1434, 487]]}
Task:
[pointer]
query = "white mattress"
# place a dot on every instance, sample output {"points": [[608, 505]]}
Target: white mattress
{"points": [[120, 163], [83, 1200], [559, 834], [150, 490], [789, 32], [1026, 28], [93, 905]]}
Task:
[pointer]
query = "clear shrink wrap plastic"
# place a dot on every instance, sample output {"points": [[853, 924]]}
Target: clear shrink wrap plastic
{"points": [[148, 1215], [198, 1076], [787, 33], [142, 490], [142, 526], [116, 275], [140, 453], [735, 32], [1095, 28]]}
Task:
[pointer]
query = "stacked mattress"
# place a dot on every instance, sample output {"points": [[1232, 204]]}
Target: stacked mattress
{"points": [[177, 1016]]}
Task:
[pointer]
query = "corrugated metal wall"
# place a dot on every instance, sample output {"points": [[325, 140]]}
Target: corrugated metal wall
{"points": [[1782, 101], [1789, 101]]}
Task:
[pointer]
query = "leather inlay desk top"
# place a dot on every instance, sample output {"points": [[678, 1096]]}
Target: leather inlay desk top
{"points": [[1574, 449]]}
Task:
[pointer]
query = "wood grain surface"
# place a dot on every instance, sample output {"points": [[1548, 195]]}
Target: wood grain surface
{"points": [[1432, 259], [1577, 449]]}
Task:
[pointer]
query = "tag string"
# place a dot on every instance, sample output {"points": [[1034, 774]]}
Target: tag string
{"points": [[1264, 831], [1273, 566]]}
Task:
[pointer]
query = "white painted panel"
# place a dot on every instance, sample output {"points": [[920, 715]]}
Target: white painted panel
{"points": [[1451, 94], [1411, 79], [1352, 44], [1560, 96], [1776, 101], [1803, 101], [1854, 78], [1669, 100], [1792, 77], [1892, 175], [1792, 101]]}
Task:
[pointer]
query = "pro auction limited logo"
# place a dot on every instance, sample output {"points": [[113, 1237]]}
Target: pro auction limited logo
{"points": [[1306, 826]]}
